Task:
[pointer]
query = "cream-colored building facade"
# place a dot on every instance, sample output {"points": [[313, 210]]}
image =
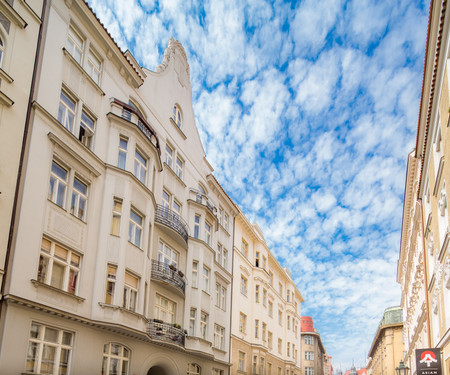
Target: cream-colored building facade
{"points": [[19, 38], [121, 260], [387, 347], [265, 332], [426, 287]]}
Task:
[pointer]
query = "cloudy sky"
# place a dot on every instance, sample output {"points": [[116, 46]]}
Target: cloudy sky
{"points": [[307, 111]]}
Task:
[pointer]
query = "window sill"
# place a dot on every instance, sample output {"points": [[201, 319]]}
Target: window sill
{"points": [[134, 245], [122, 309], [222, 351], [4, 99], [41, 284], [5, 76], [176, 126], [175, 175], [85, 74]]}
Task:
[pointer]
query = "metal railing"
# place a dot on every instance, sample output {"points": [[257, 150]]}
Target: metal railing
{"points": [[166, 216], [166, 332], [163, 272]]}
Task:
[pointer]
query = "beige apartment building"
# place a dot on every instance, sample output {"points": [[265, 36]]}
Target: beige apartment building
{"points": [[426, 234], [19, 39], [121, 260], [313, 353], [387, 347], [265, 331]]}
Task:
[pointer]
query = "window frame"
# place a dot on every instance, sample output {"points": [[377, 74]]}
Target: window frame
{"points": [[130, 292], [72, 35], [140, 165], [67, 114], [122, 357], [135, 228], [92, 68]]}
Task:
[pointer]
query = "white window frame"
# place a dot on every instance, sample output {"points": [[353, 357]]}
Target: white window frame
{"points": [[195, 274], [40, 345], [75, 44], [87, 129], [167, 255], [135, 228], [221, 295], [117, 354], [67, 110], [242, 323], [78, 204], [50, 260], [204, 317], [116, 216], [130, 292], [58, 185], [206, 273], [244, 282], [208, 233], [111, 274], [179, 167], [140, 165], [192, 321], [219, 337], [197, 219], [94, 66], [165, 309], [177, 116], [169, 152], [241, 361], [123, 152]]}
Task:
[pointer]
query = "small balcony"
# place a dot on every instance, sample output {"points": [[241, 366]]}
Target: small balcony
{"points": [[166, 332], [168, 274], [172, 220]]}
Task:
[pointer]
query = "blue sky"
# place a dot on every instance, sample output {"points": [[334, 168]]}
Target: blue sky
{"points": [[307, 110]]}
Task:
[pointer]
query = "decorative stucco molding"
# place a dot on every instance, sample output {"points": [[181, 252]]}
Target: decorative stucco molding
{"points": [[169, 53]]}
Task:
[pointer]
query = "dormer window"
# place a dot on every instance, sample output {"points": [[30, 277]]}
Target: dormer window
{"points": [[177, 116]]}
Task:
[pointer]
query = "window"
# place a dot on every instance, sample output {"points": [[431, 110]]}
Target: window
{"points": [[309, 340], [58, 184], [242, 323], [176, 207], [309, 370], [270, 309], [79, 199], [221, 294], [244, 248], [222, 256], [110, 284], [194, 274], [225, 258], [123, 147], [197, 226], [179, 167], [280, 289], [255, 364], [219, 337], [257, 293], [86, 134], [169, 156], [264, 297], [208, 233], [288, 295], [49, 350], [264, 330], [116, 216], [270, 278], [74, 45], [66, 110], [288, 322], [280, 317], [261, 365], [58, 267], [140, 166], [241, 363], [115, 359], [130, 291], [226, 220], [192, 319], [256, 328], [264, 261], [165, 309], [205, 285], [193, 369], [217, 371], [243, 285], [280, 346], [167, 255], [269, 339], [288, 351], [309, 356], [177, 116], [94, 66], [257, 259], [204, 325], [269, 368], [135, 228], [2, 50]]}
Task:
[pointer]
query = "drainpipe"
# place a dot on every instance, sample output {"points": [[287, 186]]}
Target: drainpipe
{"points": [[425, 254], [231, 302], [22, 153]]}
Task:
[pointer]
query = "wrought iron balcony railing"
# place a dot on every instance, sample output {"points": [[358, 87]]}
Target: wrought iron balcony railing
{"points": [[166, 332], [163, 272], [166, 216]]}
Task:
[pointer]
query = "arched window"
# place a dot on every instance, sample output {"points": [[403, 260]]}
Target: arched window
{"points": [[193, 369], [177, 116], [116, 359], [2, 50]]}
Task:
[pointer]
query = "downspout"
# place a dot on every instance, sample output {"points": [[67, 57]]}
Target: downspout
{"points": [[425, 254], [231, 302], [22, 153]]}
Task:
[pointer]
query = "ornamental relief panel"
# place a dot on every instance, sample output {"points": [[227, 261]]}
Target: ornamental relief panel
{"points": [[438, 276], [447, 273], [434, 303]]}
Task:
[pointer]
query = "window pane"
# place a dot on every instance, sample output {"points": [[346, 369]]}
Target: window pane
{"points": [[48, 359], [32, 355], [51, 335], [57, 275]]}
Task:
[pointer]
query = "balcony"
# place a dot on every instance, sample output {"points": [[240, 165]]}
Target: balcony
{"points": [[172, 220], [163, 272], [165, 332]]}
